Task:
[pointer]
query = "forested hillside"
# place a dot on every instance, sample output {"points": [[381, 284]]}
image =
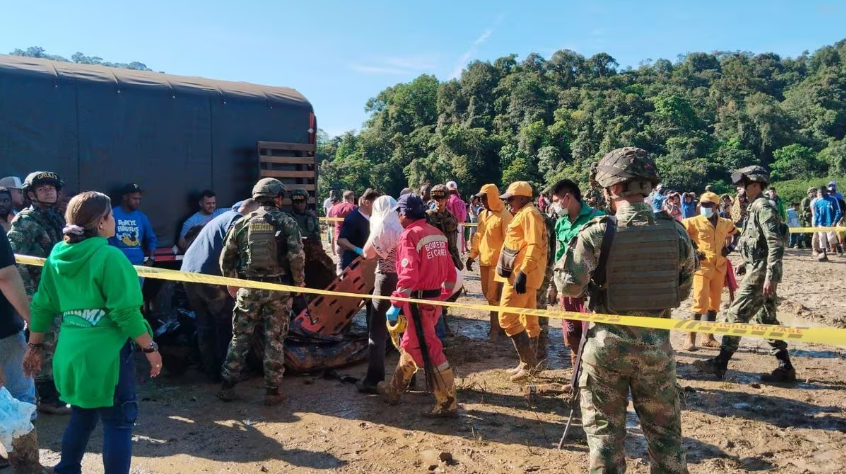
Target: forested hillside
{"points": [[540, 119]]}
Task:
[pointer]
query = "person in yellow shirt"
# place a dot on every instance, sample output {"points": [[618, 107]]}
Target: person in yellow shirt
{"points": [[521, 268], [712, 236], [486, 244]]}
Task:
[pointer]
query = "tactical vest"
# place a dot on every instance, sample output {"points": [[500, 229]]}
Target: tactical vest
{"points": [[264, 250], [643, 266]]}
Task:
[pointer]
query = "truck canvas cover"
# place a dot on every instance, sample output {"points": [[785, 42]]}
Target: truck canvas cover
{"points": [[101, 127]]}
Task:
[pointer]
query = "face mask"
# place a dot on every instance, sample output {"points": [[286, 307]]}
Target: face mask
{"points": [[556, 208], [707, 211]]}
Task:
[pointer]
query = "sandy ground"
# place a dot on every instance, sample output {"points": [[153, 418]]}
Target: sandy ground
{"points": [[730, 426]]}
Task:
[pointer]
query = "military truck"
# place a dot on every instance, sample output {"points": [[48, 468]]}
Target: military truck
{"points": [[102, 127]]}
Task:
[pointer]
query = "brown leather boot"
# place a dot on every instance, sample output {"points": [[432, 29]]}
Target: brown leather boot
{"points": [[24, 457], [526, 352], [446, 401], [406, 368]]}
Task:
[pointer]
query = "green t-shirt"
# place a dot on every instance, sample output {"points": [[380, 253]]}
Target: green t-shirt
{"points": [[566, 230], [96, 290]]}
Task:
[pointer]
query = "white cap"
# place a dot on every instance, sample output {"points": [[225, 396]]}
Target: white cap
{"points": [[452, 185], [11, 182]]}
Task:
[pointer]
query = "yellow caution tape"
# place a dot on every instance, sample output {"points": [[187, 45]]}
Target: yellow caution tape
{"points": [[331, 219], [821, 335], [805, 230]]}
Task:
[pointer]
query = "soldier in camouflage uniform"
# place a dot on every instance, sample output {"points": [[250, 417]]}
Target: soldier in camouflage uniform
{"points": [[807, 219], [305, 218], [265, 245], [618, 359], [443, 220], [762, 249], [34, 232]]}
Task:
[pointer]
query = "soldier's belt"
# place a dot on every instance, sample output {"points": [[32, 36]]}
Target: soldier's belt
{"points": [[822, 335]]}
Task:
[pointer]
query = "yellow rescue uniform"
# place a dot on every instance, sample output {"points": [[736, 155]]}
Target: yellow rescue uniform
{"points": [[709, 279], [487, 242], [526, 235]]}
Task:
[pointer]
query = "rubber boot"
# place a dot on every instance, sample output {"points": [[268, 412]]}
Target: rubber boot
{"points": [[24, 455], [406, 368], [446, 405], [273, 397], [227, 392], [716, 366], [540, 347], [822, 256], [526, 352], [784, 373], [493, 334], [710, 342]]}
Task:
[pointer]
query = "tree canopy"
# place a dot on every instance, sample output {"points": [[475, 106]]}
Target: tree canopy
{"points": [[540, 119], [79, 58]]}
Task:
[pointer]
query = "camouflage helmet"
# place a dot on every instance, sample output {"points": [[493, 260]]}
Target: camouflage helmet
{"points": [[626, 165], [268, 188], [753, 174], [299, 195], [439, 191], [38, 178]]}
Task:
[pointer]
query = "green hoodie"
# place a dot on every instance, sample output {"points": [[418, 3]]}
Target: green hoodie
{"points": [[96, 290]]}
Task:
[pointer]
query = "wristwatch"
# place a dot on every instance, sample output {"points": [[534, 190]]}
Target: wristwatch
{"points": [[153, 348]]}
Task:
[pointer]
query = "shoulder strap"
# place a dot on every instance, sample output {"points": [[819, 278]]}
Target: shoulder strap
{"points": [[599, 275]]}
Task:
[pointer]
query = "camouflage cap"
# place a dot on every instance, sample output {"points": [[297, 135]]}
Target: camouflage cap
{"points": [[754, 174], [623, 165], [812, 189], [439, 191], [38, 178], [299, 195], [268, 188]]}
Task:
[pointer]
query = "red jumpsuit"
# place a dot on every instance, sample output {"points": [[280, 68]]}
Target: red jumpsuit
{"points": [[423, 264]]}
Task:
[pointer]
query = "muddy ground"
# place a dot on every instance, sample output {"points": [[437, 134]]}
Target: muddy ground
{"points": [[730, 426]]}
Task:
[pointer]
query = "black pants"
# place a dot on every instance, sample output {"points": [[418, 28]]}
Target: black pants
{"points": [[213, 307], [377, 330]]}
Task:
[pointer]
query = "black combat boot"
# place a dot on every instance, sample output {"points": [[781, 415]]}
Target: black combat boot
{"points": [[784, 373], [227, 391], [716, 366]]}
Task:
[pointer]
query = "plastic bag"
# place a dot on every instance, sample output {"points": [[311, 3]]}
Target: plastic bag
{"points": [[15, 418]]}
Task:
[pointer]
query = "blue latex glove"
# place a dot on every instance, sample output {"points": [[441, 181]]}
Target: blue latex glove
{"points": [[392, 314], [359, 251]]}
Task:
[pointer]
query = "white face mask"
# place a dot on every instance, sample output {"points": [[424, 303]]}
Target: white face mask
{"points": [[556, 208], [707, 211]]}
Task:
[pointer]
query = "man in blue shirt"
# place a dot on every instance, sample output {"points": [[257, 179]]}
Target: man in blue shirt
{"points": [[826, 214], [212, 303], [208, 211], [658, 198], [133, 232]]}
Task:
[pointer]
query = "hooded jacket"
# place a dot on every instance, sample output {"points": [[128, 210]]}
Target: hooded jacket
{"points": [[490, 233], [95, 289]]}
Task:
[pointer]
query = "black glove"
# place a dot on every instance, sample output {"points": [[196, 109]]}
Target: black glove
{"points": [[740, 270], [469, 264], [520, 283], [725, 251], [700, 255]]}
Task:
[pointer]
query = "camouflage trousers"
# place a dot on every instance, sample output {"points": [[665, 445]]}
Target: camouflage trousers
{"points": [[649, 373], [51, 338], [749, 303], [252, 307]]}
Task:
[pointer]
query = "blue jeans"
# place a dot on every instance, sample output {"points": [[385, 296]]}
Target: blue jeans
{"points": [[794, 240], [12, 350], [118, 421], [440, 328]]}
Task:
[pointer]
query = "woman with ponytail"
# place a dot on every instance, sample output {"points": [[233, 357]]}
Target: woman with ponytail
{"points": [[95, 289]]}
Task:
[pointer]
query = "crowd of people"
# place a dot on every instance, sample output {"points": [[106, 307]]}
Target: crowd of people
{"points": [[626, 246]]}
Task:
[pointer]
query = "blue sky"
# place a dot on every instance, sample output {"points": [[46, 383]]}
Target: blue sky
{"points": [[339, 54]]}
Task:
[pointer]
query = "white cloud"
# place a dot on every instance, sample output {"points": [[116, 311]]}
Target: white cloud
{"points": [[471, 51], [420, 62]]}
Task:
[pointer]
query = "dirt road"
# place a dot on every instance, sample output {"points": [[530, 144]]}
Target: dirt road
{"points": [[730, 426]]}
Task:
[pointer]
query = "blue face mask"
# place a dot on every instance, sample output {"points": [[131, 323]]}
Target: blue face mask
{"points": [[707, 211]]}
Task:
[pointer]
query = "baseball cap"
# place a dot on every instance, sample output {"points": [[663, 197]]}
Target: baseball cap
{"points": [[484, 191], [452, 185], [131, 188], [832, 183], [412, 206], [518, 188], [11, 182], [710, 197]]}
